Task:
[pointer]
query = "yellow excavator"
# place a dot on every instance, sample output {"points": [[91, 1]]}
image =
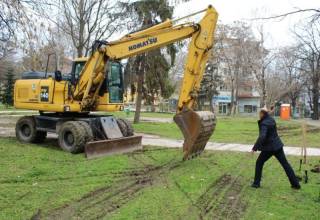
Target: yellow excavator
{"points": [[96, 84]]}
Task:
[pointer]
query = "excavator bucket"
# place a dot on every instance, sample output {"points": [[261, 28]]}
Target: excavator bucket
{"points": [[112, 146], [197, 127]]}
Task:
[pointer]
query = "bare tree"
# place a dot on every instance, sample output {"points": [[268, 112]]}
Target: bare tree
{"points": [[84, 20], [9, 20], [259, 60], [314, 17], [288, 65], [308, 37], [274, 85], [232, 43]]}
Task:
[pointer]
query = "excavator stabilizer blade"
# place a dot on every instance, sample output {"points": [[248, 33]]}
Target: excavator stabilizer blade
{"points": [[197, 127], [112, 146]]}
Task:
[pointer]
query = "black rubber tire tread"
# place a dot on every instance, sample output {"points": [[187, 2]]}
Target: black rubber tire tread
{"points": [[35, 136], [79, 134], [87, 127], [130, 131], [123, 127]]}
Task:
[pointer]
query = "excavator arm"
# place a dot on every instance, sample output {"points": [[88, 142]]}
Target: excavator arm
{"points": [[197, 127]]}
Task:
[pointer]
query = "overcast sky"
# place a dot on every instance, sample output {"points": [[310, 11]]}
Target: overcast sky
{"points": [[279, 32]]}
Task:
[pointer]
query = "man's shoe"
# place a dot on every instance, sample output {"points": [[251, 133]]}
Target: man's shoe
{"points": [[254, 185], [296, 187]]}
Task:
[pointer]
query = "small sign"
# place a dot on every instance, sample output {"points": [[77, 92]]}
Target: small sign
{"points": [[44, 94]]}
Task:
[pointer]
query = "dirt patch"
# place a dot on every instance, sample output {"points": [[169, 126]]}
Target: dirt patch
{"points": [[231, 206], [288, 128], [313, 130], [221, 200], [105, 201]]}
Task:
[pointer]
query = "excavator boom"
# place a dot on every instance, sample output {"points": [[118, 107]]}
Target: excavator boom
{"points": [[197, 127]]}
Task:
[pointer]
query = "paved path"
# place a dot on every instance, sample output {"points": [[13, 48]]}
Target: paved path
{"points": [[171, 143], [12, 112], [19, 113], [7, 130], [314, 123]]}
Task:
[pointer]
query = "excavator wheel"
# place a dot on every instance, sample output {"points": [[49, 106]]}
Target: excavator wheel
{"points": [[26, 131], [89, 132], [197, 128], [72, 136], [125, 127]]}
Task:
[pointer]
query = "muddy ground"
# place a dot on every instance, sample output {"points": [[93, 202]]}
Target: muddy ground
{"points": [[221, 200], [105, 201]]}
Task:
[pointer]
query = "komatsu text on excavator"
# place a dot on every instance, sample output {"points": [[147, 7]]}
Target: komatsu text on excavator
{"points": [[96, 84]]}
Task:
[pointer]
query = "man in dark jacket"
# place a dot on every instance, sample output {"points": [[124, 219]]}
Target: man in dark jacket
{"points": [[270, 144]]}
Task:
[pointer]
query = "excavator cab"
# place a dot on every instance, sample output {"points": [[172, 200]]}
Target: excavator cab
{"points": [[77, 67], [113, 82]]}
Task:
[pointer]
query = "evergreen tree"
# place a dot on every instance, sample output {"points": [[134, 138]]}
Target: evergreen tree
{"points": [[209, 84], [7, 96], [150, 71]]}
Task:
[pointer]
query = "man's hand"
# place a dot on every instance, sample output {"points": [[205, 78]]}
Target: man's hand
{"points": [[252, 151]]}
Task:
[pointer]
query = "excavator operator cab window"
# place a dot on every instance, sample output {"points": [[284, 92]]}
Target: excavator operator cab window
{"points": [[115, 82], [76, 70]]}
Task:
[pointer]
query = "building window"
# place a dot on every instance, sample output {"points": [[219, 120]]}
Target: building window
{"points": [[223, 108], [250, 108]]}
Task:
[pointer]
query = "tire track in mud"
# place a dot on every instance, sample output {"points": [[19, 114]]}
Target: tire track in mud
{"points": [[106, 200], [221, 199], [230, 205]]}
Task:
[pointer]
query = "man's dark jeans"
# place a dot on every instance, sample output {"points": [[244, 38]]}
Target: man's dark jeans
{"points": [[279, 154]]}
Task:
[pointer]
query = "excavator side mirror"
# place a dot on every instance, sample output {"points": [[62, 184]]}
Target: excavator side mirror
{"points": [[57, 75]]}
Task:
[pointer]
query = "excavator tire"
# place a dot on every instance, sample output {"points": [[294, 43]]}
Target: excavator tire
{"points": [[125, 127], [72, 137], [40, 137], [89, 133], [129, 127], [26, 131]]}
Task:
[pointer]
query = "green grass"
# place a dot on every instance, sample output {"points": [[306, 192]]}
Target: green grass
{"points": [[144, 114], [150, 184], [242, 130], [6, 108]]}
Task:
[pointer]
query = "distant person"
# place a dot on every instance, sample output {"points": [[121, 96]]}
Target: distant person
{"points": [[270, 144]]}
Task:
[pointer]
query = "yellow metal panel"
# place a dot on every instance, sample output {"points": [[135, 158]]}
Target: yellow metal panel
{"points": [[199, 49], [151, 41]]}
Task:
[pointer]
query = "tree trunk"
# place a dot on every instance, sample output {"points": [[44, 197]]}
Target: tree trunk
{"points": [[153, 108], [293, 105], [211, 103], [315, 100], [232, 98], [139, 98], [236, 105]]}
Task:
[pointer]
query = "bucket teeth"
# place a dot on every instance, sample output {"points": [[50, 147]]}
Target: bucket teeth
{"points": [[197, 128]]}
